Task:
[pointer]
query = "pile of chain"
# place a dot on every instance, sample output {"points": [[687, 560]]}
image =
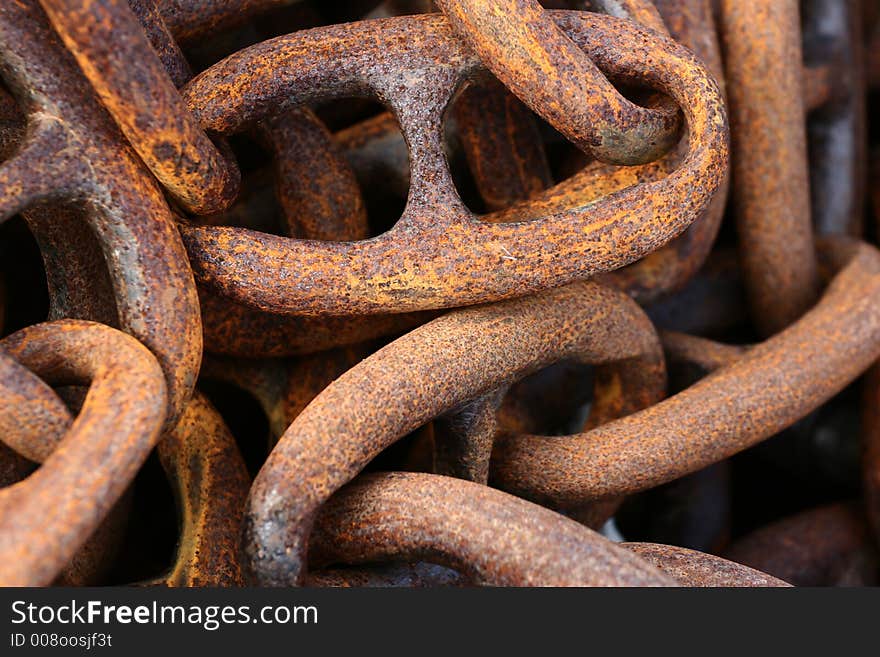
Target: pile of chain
{"points": [[406, 293]]}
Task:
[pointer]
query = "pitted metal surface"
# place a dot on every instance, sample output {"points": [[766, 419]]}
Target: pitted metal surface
{"points": [[484, 293]]}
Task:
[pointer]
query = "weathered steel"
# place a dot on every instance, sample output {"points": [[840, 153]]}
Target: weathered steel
{"points": [[763, 64], [134, 86], [485, 533], [385, 396], [439, 254], [522, 45], [706, 422], [74, 156], [41, 524], [826, 546], [693, 568], [395, 430], [210, 484]]}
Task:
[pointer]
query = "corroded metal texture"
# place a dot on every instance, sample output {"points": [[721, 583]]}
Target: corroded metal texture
{"points": [[41, 524], [82, 161], [692, 568], [404, 515], [134, 86], [521, 44], [704, 423], [763, 63], [439, 254], [824, 546], [33, 417], [211, 482], [474, 304], [385, 396]]}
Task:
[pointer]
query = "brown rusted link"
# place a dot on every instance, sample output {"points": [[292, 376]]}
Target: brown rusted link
{"points": [[283, 388], [377, 152], [308, 376], [669, 267], [237, 330], [463, 439], [521, 44], [33, 420], [645, 13], [557, 281], [78, 282], [316, 188], [210, 484], [32, 417], [545, 400], [320, 200], [439, 254], [263, 379], [43, 150], [704, 423], [12, 124], [95, 557], [870, 439], [763, 62], [693, 568], [837, 130], [385, 397], [502, 144], [690, 22], [385, 576], [188, 19], [706, 354], [825, 546], [134, 86], [42, 525], [73, 155], [169, 53], [477, 530], [13, 466]]}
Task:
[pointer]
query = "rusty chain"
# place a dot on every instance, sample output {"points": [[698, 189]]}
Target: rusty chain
{"points": [[473, 292]]}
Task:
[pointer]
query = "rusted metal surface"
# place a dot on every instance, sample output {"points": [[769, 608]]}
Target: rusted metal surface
{"points": [[706, 354], [157, 31], [502, 144], [134, 86], [188, 19], [469, 285], [41, 524], [210, 484], [82, 162], [826, 546], [465, 525], [468, 261], [33, 417], [523, 47], [385, 397], [692, 568], [704, 423], [34, 421], [763, 64], [669, 267], [387, 576]]}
